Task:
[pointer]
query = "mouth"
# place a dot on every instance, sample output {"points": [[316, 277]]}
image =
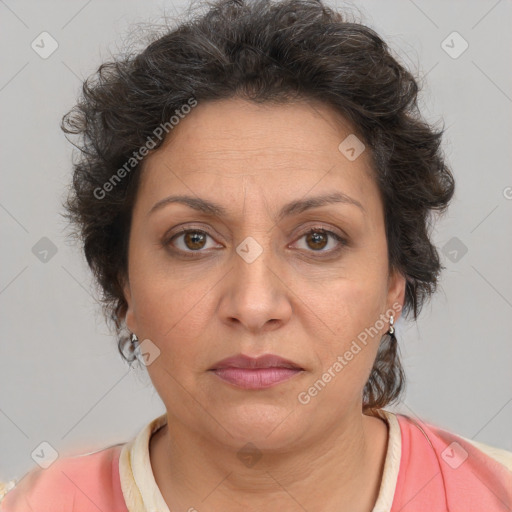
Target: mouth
{"points": [[256, 373]]}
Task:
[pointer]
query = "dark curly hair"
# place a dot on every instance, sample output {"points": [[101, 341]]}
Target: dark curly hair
{"points": [[263, 51]]}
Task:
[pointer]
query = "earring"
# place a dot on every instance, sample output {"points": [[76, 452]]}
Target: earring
{"points": [[391, 330], [134, 340]]}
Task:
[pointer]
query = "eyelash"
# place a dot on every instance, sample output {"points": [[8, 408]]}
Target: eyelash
{"points": [[191, 254]]}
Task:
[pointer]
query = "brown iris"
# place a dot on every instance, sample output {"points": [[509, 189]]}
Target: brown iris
{"points": [[195, 240], [318, 239]]}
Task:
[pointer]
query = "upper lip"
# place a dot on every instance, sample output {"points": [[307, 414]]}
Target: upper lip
{"points": [[265, 361]]}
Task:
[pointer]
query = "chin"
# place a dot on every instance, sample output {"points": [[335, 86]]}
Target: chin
{"points": [[265, 426]]}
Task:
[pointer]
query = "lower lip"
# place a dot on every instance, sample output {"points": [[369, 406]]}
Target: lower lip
{"points": [[258, 378]]}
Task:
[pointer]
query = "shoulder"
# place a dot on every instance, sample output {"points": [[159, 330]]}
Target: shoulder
{"points": [[452, 469], [69, 484], [498, 454], [451, 443], [5, 487]]}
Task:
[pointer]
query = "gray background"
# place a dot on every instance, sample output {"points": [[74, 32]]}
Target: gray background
{"points": [[61, 378]]}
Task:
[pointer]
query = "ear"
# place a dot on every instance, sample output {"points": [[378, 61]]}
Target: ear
{"points": [[396, 291], [129, 315]]}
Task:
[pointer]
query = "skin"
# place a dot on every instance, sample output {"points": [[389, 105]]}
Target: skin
{"points": [[301, 300]]}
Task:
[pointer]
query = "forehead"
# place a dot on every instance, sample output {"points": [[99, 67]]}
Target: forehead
{"points": [[224, 147], [242, 130]]}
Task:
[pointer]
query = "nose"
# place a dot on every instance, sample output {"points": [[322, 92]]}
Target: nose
{"points": [[256, 293]]}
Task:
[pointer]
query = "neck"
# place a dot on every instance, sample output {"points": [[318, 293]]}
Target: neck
{"points": [[341, 471]]}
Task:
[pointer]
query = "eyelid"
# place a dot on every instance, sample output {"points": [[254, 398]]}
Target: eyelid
{"points": [[326, 229]]}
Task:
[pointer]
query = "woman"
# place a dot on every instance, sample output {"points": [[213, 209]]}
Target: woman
{"points": [[254, 196]]}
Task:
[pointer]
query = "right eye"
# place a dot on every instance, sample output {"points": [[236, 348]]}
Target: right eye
{"points": [[189, 240]]}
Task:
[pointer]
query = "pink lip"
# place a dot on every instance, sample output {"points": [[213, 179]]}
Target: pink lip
{"points": [[259, 378], [255, 373]]}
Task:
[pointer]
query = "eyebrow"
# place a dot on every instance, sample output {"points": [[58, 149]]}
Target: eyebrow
{"points": [[292, 208]]}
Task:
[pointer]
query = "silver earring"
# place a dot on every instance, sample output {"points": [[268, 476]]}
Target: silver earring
{"points": [[134, 340], [391, 330]]}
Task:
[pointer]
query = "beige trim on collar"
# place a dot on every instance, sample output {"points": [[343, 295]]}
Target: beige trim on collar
{"points": [[142, 494], [138, 484], [391, 464]]}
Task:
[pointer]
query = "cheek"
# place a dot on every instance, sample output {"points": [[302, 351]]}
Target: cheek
{"points": [[173, 318], [166, 308], [355, 331], [162, 294], [174, 309], [359, 299]]}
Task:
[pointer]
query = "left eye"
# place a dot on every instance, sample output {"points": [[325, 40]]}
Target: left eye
{"points": [[318, 238]]}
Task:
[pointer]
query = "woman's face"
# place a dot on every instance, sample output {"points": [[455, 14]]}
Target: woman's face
{"points": [[262, 273]]}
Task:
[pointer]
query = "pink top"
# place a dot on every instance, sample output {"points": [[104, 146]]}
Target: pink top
{"points": [[427, 469], [440, 471], [71, 484]]}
